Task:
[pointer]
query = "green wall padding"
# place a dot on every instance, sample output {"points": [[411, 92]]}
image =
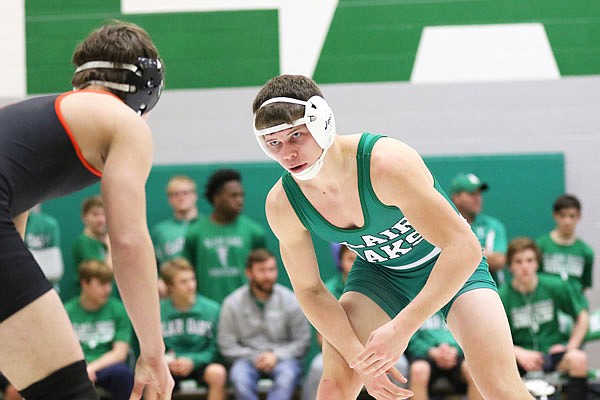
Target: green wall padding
{"points": [[522, 190]]}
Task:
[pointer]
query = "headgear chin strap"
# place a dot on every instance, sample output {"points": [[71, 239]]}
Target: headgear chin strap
{"points": [[144, 82], [319, 121]]}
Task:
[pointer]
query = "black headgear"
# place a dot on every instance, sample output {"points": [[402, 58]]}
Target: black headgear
{"points": [[144, 82]]}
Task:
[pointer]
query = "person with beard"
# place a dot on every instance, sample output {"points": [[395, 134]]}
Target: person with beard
{"points": [[189, 326], [218, 246], [263, 332], [467, 196]]}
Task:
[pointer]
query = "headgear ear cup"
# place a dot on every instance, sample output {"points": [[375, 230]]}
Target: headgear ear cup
{"points": [[320, 121]]}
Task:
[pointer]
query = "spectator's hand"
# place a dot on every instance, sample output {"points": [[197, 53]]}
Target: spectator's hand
{"points": [[449, 356], [382, 388], [162, 289], [266, 361], [557, 348], [91, 373], [529, 360], [181, 366], [384, 347], [154, 374]]}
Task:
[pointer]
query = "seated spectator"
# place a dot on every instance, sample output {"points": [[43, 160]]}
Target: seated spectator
{"points": [[433, 352], [93, 242], [467, 195], [344, 260], [263, 332], [532, 302], [102, 326], [168, 235], [218, 246], [563, 253], [189, 326], [42, 237]]}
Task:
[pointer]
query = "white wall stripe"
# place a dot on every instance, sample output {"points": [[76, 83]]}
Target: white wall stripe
{"points": [[477, 53], [12, 47]]}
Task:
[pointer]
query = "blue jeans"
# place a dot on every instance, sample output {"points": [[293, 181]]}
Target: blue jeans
{"points": [[117, 380], [244, 377]]}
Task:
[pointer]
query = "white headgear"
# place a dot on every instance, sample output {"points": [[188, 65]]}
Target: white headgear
{"points": [[319, 121]]}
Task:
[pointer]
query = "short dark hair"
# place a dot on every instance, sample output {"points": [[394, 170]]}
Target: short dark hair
{"points": [[258, 255], [91, 202], [566, 201], [217, 180], [170, 268], [519, 244], [295, 86], [116, 41], [100, 270]]}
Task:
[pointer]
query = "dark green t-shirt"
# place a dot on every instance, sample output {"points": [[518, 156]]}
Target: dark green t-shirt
{"points": [[42, 231], [99, 330], [219, 252], [192, 333], [86, 248], [168, 237], [534, 317], [491, 234], [573, 263], [432, 333]]}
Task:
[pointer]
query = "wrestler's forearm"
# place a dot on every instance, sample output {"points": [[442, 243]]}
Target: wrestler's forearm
{"points": [[329, 318], [454, 266], [133, 260]]}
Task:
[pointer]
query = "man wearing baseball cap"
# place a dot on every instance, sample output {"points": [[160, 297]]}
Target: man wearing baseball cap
{"points": [[466, 195]]}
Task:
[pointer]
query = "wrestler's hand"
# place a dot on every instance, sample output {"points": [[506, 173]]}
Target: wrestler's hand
{"points": [[382, 388], [384, 347], [155, 375]]}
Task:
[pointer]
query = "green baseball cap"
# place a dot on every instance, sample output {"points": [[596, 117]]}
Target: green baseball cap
{"points": [[467, 183]]}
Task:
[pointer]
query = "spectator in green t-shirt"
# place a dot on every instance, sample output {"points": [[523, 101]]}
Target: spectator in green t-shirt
{"points": [[42, 237], [563, 253], [93, 242], [189, 327], [218, 246], [103, 329], [532, 302], [466, 190], [168, 236]]}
